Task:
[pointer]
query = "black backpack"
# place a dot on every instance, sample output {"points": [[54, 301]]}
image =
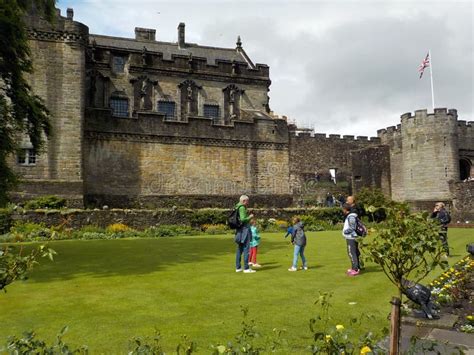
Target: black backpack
{"points": [[233, 220]]}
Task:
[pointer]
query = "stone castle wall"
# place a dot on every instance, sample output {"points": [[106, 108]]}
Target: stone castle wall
{"points": [[150, 159], [371, 168], [58, 77], [318, 153], [147, 159]]}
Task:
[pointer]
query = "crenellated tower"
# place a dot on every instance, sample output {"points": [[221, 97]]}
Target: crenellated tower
{"points": [[424, 155]]}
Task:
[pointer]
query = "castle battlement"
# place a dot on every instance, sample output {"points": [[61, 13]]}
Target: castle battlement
{"points": [[423, 113], [419, 115], [332, 137]]}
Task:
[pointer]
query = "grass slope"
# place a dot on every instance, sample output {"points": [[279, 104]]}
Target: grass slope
{"points": [[108, 291]]}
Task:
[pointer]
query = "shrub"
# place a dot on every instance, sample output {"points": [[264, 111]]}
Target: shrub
{"points": [[117, 228], [5, 220], [50, 202], [273, 225], [208, 216], [169, 230], [215, 228], [94, 235], [330, 214], [374, 202], [29, 344], [29, 231]]}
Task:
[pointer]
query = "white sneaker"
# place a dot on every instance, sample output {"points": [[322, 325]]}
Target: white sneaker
{"points": [[248, 271], [256, 265], [305, 268], [292, 269], [238, 270], [250, 263]]}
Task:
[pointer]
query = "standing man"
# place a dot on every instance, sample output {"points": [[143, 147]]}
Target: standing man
{"points": [[329, 200], [440, 213], [243, 235]]}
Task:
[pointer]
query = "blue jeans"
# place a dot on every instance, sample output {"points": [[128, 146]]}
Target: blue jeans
{"points": [[242, 248], [299, 250]]}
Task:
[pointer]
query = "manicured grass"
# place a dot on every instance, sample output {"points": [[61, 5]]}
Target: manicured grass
{"points": [[108, 291]]}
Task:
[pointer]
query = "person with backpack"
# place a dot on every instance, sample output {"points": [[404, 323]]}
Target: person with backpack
{"points": [[243, 235], [351, 230], [440, 213], [298, 239]]}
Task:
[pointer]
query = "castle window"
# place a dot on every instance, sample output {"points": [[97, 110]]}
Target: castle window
{"points": [[118, 64], [119, 106], [26, 157], [167, 108], [211, 111]]}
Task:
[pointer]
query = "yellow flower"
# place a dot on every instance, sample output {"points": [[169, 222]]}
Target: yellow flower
{"points": [[339, 327], [470, 317], [328, 338], [365, 350]]}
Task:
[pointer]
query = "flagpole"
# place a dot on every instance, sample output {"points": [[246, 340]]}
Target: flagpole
{"points": [[431, 75]]}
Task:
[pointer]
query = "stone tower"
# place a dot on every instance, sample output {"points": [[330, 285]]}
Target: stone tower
{"points": [[58, 54], [424, 155]]}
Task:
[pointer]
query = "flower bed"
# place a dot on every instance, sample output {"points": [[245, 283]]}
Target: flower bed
{"points": [[453, 290]]}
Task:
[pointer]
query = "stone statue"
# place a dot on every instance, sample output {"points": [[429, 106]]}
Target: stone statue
{"points": [[190, 92], [421, 295], [143, 93], [232, 95]]}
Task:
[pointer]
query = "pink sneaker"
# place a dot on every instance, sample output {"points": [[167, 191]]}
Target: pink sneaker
{"points": [[353, 273]]}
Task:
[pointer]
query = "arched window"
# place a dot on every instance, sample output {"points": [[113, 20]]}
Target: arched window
{"points": [[464, 168]]}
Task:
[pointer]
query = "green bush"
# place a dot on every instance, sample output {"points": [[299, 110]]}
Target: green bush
{"points": [[311, 224], [169, 230], [215, 228], [29, 231], [374, 202], [332, 215], [208, 216], [5, 220], [50, 202]]}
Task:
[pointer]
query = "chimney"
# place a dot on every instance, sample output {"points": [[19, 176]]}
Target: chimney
{"points": [[181, 41], [70, 13], [145, 34]]}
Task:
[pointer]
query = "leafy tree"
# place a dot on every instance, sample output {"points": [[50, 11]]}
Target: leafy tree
{"points": [[14, 265], [406, 247], [377, 201], [21, 111]]}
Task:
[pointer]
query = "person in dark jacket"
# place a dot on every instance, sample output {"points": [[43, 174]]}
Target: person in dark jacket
{"points": [[298, 239], [440, 213], [243, 236]]}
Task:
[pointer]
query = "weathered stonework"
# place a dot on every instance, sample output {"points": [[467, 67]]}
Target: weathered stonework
{"points": [[145, 123]]}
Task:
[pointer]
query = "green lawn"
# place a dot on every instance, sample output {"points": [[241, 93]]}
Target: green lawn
{"points": [[108, 291]]}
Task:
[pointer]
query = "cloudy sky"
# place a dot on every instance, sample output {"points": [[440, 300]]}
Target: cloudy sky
{"points": [[344, 67]]}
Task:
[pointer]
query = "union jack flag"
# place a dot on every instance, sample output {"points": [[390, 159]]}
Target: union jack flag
{"points": [[424, 64]]}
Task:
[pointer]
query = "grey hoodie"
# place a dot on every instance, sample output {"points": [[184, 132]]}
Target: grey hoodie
{"points": [[298, 237]]}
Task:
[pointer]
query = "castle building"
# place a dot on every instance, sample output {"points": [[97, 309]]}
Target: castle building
{"points": [[144, 122]]}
